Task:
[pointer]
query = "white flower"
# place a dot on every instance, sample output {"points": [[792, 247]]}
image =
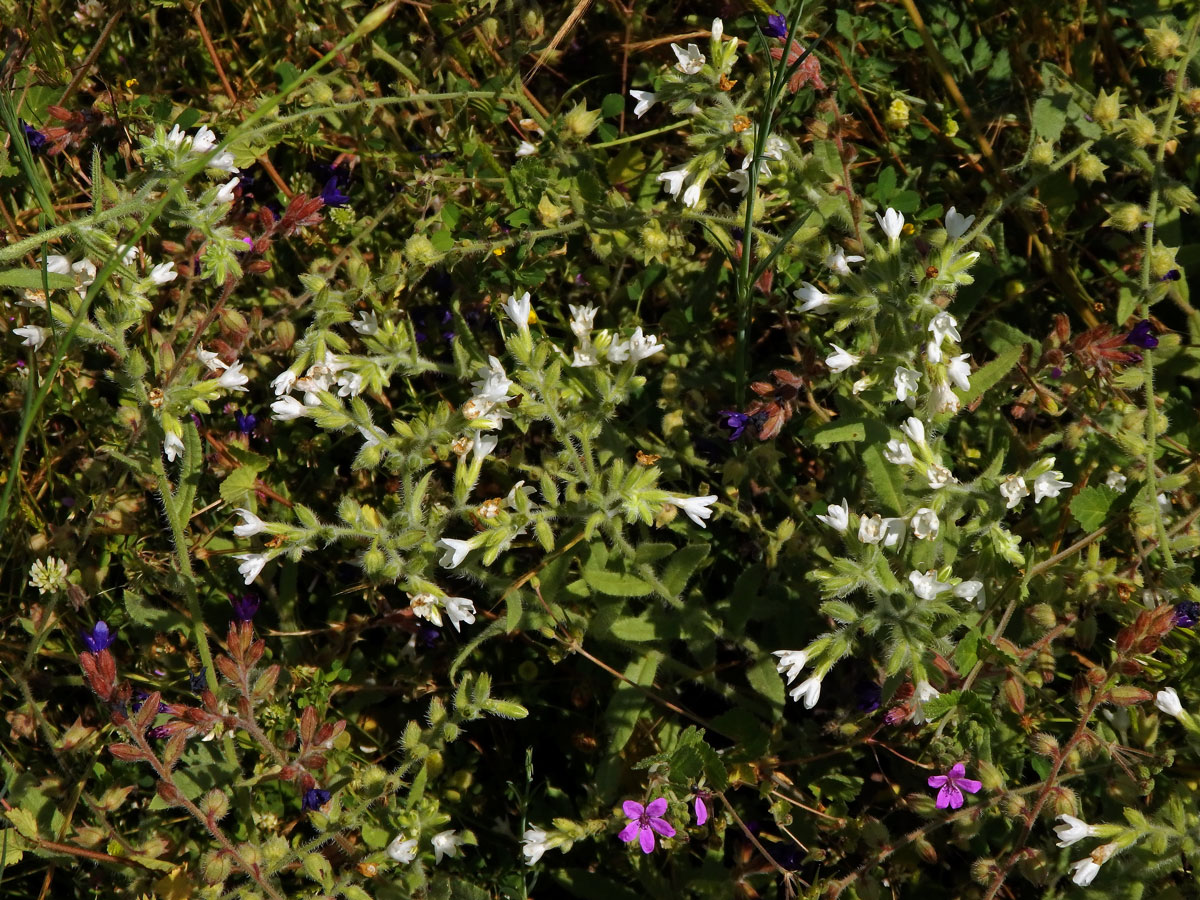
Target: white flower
{"points": [[526, 149], [494, 384], [814, 299], [618, 351], [927, 586], [764, 171], [129, 255], [369, 323], [34, 335], [283, 382], [870, 529], [643, 346], [718, 29], [1116, 481], [862, 384], [1167, 700], [582, 320], [252, 564], [891, 222], [959, 371], [939, 476], [1014, 490], [923, 693], [691, 60], [673, 180], [584, 356], [968, 590], [446, 843], [225, 192], [1086, 869], [163, 273], [741, 179], [85, 273], [204, 140], [425, 606], [809, 690], [232, 378], [176, 138], [898, 452], [482, 445], [839, 262], [925, 524], [1048, 484], [49, 575], [534, 845], [645, 100], [894, 530], [519, 311], [775, 147], [943, 326], [172, 446], [914, 430], [223, 161], [1073, 830], [251, 525], [791, 661], [840, 360], [692, 196], [837, 517], [905, 380], [402, 850], [956, 226], [460, 610], [211, 359], [456, 552], [697, 508], [942, 399], [287, 408]]}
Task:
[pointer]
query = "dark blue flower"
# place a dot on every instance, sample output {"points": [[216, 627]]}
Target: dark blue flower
{"points": [[197, 681], [314, 799], [735, 421], [1142, 335], [98, 638], [36, 139], [1173, 275], [428, 636], [1186, 615], [244, 607], [1056, 372], [776, 26], [869, 695], [246, 422], [332, 193]]}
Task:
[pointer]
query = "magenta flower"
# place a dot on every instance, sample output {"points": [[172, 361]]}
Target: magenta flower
{"points": [[701, 809], [644, 821], [952, 784]]}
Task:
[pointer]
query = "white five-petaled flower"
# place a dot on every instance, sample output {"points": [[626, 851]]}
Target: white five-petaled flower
{"points": [[839, 262], [814, 299], [894, 530], [533, 845], [643, 346], [914, 430], [582, 320], [402, 850], [1087, 868], [792, 662], [808, 690], [251, 524], [287, 408], [891, 222], [1073, 830], [1048, 484], [922, 694], [252, 564], [840, 360], [460, 610], [905, 381], [283, 382], [939, 476], [232, 378], [367, 323], [942, 399], [204, 140], [34, 335], [425, 606], [742, 181], [691, 60], [959, 371], [692, 195], [645, 100], [455, 552], [968, 590], [697, 508], [1115, 480], [519, 310], [1167, 700], [1014, 490], [925, 524], [211, 359], [870, 529], [172, 446], [957, 224], [163, 273], [927, 586], [673, 180], [493, 384], [526, 149], [482, 445], [446, 843], [837, 517], [943, 326], [898, 453]]}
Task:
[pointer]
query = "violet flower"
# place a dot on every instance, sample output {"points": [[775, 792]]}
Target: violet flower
{"points": [[314, 799], [951, 785], [735, 421], [98, 638], [1186, 614], [36, 139], [332, 194], [776, 26], [246, 422], [644, 821], [244, 607], [1142, 335]]}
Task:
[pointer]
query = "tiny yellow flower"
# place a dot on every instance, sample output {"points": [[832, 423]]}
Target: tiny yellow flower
{"points": [[498, 251], [131, 83]]}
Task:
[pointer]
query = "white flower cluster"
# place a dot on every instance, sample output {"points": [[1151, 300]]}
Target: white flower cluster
{"points": [[1047, 482], [639, 346], [200, 144], [322, 376], [49, 575], [1073, 830], [445, 843]]}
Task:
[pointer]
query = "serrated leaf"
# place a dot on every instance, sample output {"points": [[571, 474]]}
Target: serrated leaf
{"points": [[1050, 115], [939, 706], [1091, 505], [238, 485]]}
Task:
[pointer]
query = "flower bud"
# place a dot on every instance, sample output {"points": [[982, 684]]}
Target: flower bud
{"points": [[1014, 695], [1063, 800], [926, 849], [1163, 42], [1043, 154], [215, 804], [1045, 745], [1162, 259], [1140, 130], [1125, 216], [533, 22], [217, 866], [1128, 695], [982, 871], [1107, 107], [1014, 805], [1043, 614], [1091, 168]]}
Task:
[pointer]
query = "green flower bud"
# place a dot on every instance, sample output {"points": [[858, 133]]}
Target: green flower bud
{"points": [[1180, 196], [1140, 129], [1043, 153], [1107, 107], [216, 865], [1091, 168], [1125, 216], [1163, 42], [580, 121]]}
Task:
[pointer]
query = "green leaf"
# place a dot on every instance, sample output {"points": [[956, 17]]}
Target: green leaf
{"points": [[375, 837], [32, 279], [966, 654], [992, 373], [840, 611], [1050, 115], [682, 566], [939, 706], [628, 703], [885, 478], [766, 681], [1091, 505], [238, 485], [628, 628], [615, 584], [839, 432]]}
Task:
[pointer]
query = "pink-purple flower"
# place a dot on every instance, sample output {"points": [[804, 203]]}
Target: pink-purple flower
{"points": [[952, 785], [701, 808], [644, 821]]}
